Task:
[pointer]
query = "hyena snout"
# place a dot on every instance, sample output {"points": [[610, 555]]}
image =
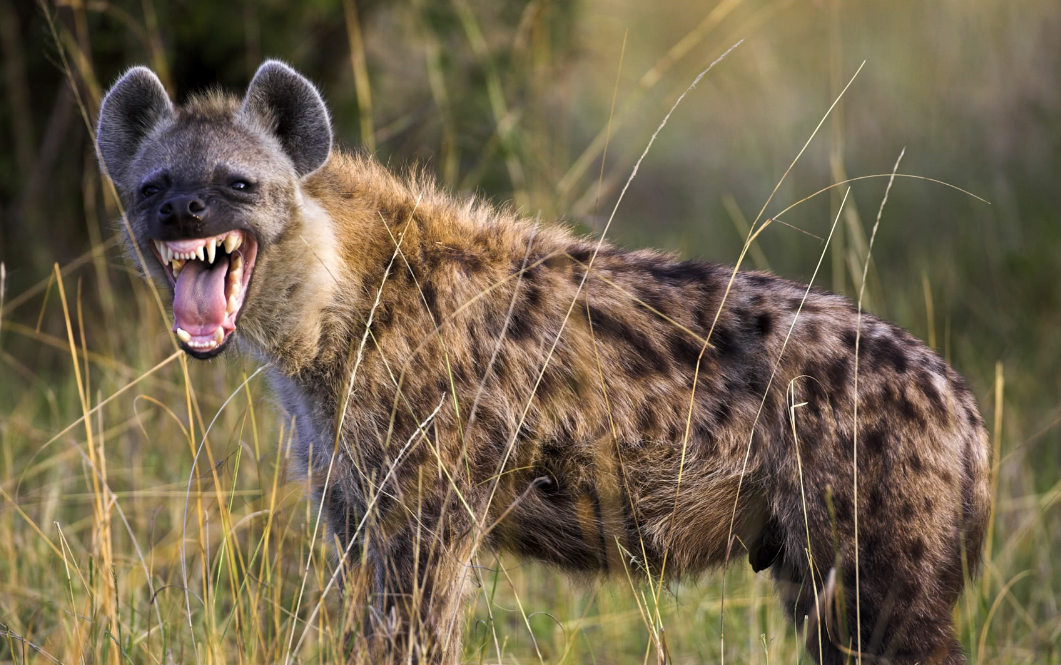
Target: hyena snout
{"points": [[185, 212], [184, 208]]}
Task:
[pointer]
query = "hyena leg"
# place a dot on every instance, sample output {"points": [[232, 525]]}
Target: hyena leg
{"points": [[419, 576], [902, 622]]}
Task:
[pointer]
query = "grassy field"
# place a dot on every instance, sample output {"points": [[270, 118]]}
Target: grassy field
{"points": [[116, 547]]}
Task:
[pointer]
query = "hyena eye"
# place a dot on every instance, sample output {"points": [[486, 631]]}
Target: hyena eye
{"points": [[240, 185], [149, 190]]}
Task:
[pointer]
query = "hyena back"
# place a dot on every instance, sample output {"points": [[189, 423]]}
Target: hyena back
{"points": [[602, 410]]}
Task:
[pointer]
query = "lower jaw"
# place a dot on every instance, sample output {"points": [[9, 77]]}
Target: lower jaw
{"points": [[205, 354], [206, 342]]}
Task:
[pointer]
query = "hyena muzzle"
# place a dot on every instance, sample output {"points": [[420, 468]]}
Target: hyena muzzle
{"points": [[459, 377]]}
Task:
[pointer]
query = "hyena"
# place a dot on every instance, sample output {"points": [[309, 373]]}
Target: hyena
{"points": [[463, 378]]}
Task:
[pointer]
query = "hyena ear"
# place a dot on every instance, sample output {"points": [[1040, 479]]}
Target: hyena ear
{"points": [[292, 109], [130, 110]]}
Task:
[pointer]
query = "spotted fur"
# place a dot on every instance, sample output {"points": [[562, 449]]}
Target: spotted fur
{"points": [[579, 383]]}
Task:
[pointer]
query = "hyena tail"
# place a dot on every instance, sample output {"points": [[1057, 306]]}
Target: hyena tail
{"points": [[976, 497]]}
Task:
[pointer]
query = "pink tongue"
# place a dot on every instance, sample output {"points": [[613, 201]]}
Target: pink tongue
{"points": [[199, 298]]}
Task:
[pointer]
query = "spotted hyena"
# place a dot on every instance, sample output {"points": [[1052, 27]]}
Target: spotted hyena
{"points": [[460, 376]]}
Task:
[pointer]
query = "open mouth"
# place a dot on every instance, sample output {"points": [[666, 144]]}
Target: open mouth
{"points": [[209, 278]]}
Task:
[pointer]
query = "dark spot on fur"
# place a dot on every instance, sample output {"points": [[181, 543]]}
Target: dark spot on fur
{"points": [[652, 301], [521, 325], [910, 412], [580, 254], [548, 384], [813, 331], [467, 261], [883, 350], [917, 550], [764, 323], [837, 372], [928, 506], [849, 338], [876, 441], [431, 301], [876, 504], [645, 359], [759, 279], [842, 506], [907, 510], [683, 349], [722, 412], [685, 272], [532, 294], [915, 463]]}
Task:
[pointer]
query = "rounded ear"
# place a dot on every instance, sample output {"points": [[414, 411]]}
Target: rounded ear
{"points": [[129, 111], [290, 107]]}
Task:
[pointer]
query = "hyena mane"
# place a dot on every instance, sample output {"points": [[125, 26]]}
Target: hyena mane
{"points": [[461, 378]]}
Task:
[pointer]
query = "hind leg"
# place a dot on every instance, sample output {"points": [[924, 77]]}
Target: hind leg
{"points": [[902, 622]]}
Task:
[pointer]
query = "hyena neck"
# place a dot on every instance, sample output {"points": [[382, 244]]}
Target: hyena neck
{"points": [[303, 280], [354, 222]]}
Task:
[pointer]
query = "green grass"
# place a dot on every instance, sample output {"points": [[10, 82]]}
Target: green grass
{"points": [[93, 513]]}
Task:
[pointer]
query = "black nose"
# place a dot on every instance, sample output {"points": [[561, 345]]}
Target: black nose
{"points": [[183, 209]]}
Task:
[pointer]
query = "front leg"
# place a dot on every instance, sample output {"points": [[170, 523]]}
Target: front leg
{"points": [[417, 573]]}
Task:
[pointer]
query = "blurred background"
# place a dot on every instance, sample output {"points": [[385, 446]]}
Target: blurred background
{"points": [[546, 104]]}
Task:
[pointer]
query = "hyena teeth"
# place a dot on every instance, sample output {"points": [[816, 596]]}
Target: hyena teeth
{"points": [[232, 305], [235, 271], [218, 335], [184, 336], [232, 241], [211, 249], [200, 253], [177, 265]]}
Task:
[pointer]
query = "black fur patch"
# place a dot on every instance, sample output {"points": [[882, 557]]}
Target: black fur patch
{"points": [[883, 350], [768, 547], [646, 358], [764, 323]]}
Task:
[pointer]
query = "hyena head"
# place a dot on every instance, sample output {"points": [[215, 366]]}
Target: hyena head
{"points": [[211, 190]]}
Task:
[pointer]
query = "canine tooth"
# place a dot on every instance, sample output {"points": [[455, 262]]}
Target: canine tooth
{"points": [[232, 305], [164, 251], [211, 249], [232, 241], [200, 254], [218, 335], [184, 336]]}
